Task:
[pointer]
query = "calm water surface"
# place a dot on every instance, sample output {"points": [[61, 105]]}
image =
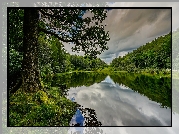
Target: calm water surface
{"points": [[109, 103]]}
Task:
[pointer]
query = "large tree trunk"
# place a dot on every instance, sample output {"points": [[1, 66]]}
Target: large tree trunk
{"points": [[30, 74]]}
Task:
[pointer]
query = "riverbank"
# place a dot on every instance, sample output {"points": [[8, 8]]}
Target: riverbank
{"points": [[43, 108], [158, 73], [50, 107]]}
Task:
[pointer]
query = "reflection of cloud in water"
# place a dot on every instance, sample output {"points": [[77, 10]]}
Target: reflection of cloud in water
{"points": [[123, 86], [109, 81], [112, 85], [118, 106], [93, 102]]}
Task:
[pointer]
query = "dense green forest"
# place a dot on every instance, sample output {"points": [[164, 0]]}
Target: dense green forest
{"points": [[154, 56], [37, 56]]}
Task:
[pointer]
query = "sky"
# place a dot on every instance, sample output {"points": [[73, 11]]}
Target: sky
{"points": [[131, 28]]}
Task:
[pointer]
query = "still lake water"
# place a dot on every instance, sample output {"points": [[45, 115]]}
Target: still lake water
{"points": [[107, 100]]}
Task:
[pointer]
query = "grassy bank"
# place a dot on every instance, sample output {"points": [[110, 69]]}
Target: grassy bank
{"points": [[150, 72], [43, 108]]}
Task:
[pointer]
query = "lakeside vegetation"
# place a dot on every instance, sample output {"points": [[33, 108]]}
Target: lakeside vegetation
{"points": [[46, 104], [148, 85], [154, 56]]}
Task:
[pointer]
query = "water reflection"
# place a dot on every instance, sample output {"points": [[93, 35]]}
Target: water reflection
{"points": [[119, 100], [156, 89], [84, 117]]}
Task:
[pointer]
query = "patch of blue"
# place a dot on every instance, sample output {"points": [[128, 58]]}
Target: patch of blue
{"points": [[79, 117]]}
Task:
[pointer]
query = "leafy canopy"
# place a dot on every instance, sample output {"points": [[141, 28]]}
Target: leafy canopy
{"points": [[71, 25]]}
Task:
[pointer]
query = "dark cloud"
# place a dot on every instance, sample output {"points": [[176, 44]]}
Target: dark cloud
{"points": [[107, 56], [131, 28]]}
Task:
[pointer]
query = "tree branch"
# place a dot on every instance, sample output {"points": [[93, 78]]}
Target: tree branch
{"points": [[54, 16], [47, 14], [56, 35]]}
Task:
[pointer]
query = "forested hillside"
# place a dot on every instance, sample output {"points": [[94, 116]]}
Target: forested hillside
{"points": [[153, 55]]}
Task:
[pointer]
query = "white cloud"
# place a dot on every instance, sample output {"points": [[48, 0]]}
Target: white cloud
{"points": [[122, 53]]}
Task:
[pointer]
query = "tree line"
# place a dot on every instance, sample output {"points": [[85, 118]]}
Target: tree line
{"points": [[153, 55]]}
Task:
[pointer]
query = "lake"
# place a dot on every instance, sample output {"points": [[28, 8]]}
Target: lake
{"points": [[118, 99]]}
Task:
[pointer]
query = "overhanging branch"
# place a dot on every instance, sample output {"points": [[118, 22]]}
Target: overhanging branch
{"points": [[61, 17], [56, 35], [47, 14]]}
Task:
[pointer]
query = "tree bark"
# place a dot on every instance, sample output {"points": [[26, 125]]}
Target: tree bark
{"points": [[31, 73]]}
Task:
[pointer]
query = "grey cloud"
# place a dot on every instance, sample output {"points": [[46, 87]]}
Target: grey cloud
{"points": [[131, 28], [125, 22]]}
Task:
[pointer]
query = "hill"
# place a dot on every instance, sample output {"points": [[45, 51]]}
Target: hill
{"points": [[153, 55]]}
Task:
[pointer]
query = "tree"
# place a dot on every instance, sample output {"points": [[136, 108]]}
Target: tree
{"points": [[68, 25], [31, 74], [15, 41]]}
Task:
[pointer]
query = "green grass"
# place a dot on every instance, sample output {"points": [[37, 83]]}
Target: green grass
{"points": [[43, 108], [149, 72], [156, 75]]}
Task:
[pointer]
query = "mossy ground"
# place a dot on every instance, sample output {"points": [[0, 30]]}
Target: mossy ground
{"points": [[43, 108]]}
